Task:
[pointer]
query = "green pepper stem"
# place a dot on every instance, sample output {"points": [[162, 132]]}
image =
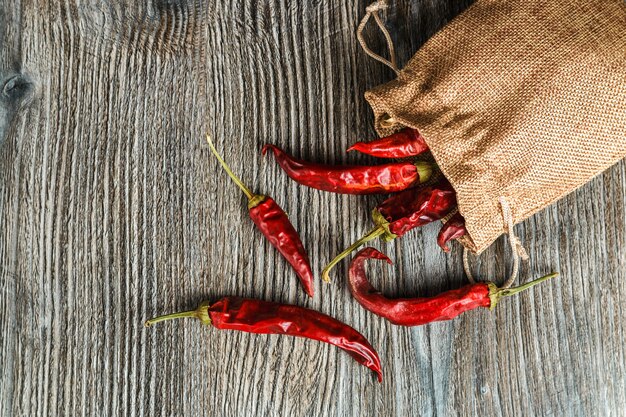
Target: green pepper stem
{"points": [[424, 170], [179, 315], [201, 313], [496, 294], [230, 173], [371, 235], [512, 291]]}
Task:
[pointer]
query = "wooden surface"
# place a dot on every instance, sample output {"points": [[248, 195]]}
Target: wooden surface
{"points": [[113, 210]]}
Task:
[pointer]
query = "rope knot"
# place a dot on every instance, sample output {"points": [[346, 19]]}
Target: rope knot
{"points": [[519, 248], [376, 6], [516, 244]]}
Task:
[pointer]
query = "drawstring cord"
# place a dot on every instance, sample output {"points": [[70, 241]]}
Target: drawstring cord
{"points": [[516, 247], [372, 10]]}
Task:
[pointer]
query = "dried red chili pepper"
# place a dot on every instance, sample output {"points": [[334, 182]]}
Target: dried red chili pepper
{"points": [[453, 229], [264, 317], [407, 142], [353, 179], [402, 212], [275, 225], [418, 311]]}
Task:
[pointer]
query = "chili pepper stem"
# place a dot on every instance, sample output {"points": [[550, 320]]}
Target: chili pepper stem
{"points": [[230, 173], [424, 170], [201, 313], [496, 294], [371, 235]]}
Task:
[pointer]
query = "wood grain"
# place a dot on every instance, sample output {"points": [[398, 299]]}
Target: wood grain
{"points": [[113, 210]]}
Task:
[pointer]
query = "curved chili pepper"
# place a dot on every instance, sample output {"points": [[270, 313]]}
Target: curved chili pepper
{"points": [[452, 230], [418, 311], [353, 179], [264, 317], [275, 225], [405, 143], [402, 212]]}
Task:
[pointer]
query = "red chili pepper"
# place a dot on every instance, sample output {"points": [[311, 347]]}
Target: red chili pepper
{"points": [[407, 142], [402, 212], [275, 225], [263, 317], [352, 179], [453, 229], [418, 311]]}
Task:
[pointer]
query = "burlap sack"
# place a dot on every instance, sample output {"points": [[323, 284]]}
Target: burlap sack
{"points": [[522, 99]]}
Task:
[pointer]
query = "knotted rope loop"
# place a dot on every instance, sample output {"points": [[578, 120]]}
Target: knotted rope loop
{"points": [[516, 247], [372, 10]]}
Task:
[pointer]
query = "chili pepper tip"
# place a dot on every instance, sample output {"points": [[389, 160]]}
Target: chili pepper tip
{"points": [[356, 147], [265, 148], [373, 253], [453, 229]]}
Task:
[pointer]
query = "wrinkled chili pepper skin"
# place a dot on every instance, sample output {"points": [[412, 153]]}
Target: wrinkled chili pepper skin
{"points": [[378, 179], [453, 229], [417, 207], [263, 317], [402, 212], [275, 225], [412, 311], [405, 143]]}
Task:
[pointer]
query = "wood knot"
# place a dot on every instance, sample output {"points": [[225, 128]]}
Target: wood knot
{"points": [[15, 94], [178, 23], [16, 88]]}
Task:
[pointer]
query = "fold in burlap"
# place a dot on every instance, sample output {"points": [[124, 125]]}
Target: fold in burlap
{"points": [[524, 99]]}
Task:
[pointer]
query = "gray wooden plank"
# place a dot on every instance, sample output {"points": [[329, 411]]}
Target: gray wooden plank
{"points": [[112, 210]]}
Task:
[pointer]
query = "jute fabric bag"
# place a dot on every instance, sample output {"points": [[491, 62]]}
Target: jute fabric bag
{"points": [[520, 101]]}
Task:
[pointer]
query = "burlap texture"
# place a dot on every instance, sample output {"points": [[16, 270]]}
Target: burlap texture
{"points": [[524, 99]]}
